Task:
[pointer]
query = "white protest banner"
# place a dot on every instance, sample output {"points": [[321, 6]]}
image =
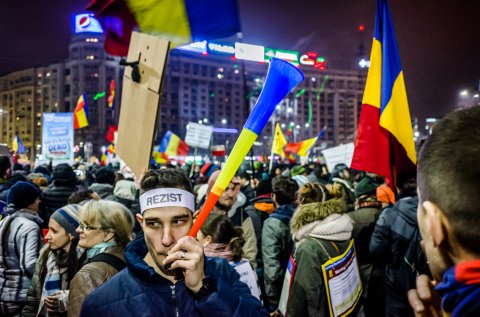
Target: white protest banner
{"points": [[339, 154], [198, 135], [57, 137]]}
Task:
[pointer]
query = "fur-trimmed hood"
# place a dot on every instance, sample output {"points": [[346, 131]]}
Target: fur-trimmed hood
{"points": [[309, 213]]}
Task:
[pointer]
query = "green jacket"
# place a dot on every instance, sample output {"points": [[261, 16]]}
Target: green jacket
{"points": [[308, 297]]}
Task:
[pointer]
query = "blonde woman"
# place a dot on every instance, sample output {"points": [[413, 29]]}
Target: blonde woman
{"points": [[105, 229]]}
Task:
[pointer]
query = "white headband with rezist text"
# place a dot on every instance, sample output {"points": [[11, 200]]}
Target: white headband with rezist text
{"points": [[167, 197]]}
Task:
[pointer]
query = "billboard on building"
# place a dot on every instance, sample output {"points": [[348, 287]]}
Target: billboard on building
{"points": [[57, 137], [86, 23]]}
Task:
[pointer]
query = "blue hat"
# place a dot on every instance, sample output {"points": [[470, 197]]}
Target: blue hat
{"points": [[22, 195], [67, 217]]}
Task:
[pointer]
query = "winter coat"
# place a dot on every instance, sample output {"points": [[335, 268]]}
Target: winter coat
{"points": [[239, 217], [105, 191], [140, 291], [277, 246], [55, 197], [314, 226], [394, 230], [90, 276], [34, 294], [20, 243]]}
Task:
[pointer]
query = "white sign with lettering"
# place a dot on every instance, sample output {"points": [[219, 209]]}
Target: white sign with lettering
{"points": [[198, 135]]}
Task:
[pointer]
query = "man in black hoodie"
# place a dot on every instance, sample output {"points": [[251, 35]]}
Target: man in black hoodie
{"points": [[396, 241]]}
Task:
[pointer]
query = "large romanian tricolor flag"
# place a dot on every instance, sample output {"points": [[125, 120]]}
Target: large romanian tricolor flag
{"points": [[384, 143], [172, 145], [179, 21], [80, 115]]}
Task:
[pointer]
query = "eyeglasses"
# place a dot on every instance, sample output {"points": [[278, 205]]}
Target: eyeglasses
{"points": [[84, 227]]}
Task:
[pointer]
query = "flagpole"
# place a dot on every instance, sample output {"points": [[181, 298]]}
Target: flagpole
{"points": [[194, 161], [270, 167]]}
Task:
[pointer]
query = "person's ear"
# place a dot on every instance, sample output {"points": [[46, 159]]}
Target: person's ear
{"points": [[139, 218], [109, 236], [71, 236], [437, 222]]}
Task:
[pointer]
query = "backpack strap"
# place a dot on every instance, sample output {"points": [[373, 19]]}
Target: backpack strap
{"points": [[110, 259]]}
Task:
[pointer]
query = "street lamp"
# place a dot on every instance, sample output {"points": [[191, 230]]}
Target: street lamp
{"points": [[224, 121], [464, 93]]}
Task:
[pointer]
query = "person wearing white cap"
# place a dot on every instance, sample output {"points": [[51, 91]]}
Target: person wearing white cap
{"points": [[168, 273]]}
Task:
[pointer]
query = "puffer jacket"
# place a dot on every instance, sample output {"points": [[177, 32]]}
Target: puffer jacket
{"points": [[277, 246], [90, 276], [55, 197], [35, 291], [20, 243], [140, 291]]}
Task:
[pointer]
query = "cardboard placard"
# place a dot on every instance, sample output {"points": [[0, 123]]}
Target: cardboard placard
{"points": [[141, 100]]}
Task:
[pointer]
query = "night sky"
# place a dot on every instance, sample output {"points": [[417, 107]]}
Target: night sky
{"points": [[439, 40]]}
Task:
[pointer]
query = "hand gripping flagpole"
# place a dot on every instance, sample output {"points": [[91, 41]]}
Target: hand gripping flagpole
{"points": [[281, 78]]}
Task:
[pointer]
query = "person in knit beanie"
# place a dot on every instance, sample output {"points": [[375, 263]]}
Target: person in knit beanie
{"points": [[20, 243], [58, 262]]}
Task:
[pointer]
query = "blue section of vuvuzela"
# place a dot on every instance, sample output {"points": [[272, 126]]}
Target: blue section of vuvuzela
{"points": [[284, 76]]}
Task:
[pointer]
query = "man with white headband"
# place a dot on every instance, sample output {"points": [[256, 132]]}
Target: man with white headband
{"points": [[168, 274]]}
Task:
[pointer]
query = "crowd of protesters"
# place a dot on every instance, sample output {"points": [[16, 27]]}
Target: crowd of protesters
{"points": [[85, 241]]}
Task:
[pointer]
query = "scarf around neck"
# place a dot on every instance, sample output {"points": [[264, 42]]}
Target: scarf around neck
{"points": [[460, 289], [56, 278], [99, 248], [336, 227]]}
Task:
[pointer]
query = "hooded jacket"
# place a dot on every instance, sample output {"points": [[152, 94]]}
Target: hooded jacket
{"points": [[395, 231], [277, 246], [316, 228], [262, 206], [139, 291], [105, 191]]}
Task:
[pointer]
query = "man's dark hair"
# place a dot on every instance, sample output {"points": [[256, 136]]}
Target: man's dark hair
{"points": [[4, 165], [80, 196], [165, 178], [105, 175], [448, 174], [285, 189]]}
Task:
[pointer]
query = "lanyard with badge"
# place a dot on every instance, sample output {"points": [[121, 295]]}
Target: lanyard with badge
{"points": [[342, 281]]}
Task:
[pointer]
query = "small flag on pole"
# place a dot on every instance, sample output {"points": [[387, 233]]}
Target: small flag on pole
{"points": [[111, 96], [17, 145], [172, 145], [278, 141], [301, 148], [80, 115]]}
